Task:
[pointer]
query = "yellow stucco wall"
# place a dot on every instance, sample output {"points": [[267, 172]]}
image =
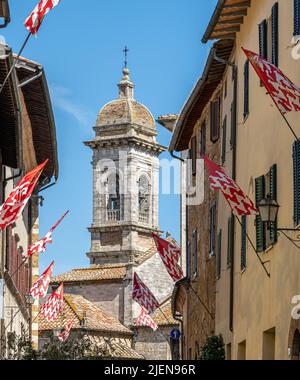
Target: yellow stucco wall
{"points": [[262, 303]]}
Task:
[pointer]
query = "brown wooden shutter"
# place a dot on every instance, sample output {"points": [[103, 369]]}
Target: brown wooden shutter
{"points": [[194, 154], [215, 120]]}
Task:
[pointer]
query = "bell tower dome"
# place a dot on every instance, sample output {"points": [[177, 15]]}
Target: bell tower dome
{"points": [[125, 179]]}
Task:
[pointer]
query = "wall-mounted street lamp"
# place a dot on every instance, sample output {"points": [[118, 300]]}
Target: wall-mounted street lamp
{"points": [[29, 299], [268, 210]]}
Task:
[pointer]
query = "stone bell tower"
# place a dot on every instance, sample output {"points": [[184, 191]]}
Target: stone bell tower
{"points": [[125, 179]]}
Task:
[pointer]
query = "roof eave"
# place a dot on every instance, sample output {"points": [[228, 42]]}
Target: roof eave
{"points": [[6, 13], [213, 20], [190, 102]]}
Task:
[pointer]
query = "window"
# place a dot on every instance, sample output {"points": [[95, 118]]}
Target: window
{"points": [[269, 344], [268, 37], [241, 354], [244, 243], [274, 24], [215, 120], [228, 351], [213, 221], [264, 186], [144, 200], [219, 254], [232, 124], [194, 155], [296, 180], [203, 140], [188, 261], [296, 17], [195, 252], [13, 260], [224, 135], [114, 198], [246, 89], [230, 238]]}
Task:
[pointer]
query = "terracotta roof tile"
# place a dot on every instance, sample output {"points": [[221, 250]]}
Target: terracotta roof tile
{"points": [[164, 317], [116, 348], [94, 273], [76, 307]]}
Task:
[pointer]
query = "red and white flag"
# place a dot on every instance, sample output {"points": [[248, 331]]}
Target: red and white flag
{"points": [[285, 94], [13, 207], [143, 295], [40, 287], [64, 335], [51, 309], [145, 319], [239, 202], [40, 246], [34, 21], [170, 256]]}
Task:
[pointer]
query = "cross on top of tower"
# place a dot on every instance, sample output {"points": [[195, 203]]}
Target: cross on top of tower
{"points": [[125, 51]]}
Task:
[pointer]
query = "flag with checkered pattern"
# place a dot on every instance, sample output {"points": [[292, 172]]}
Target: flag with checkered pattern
{"points": [[145, 319], [40, 287], [40, 246], [239, 202], [170, 255], [51, 309], [13, 207], [143, 295]]}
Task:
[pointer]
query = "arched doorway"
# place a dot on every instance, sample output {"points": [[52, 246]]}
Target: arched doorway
{"points": [[295, 352]]}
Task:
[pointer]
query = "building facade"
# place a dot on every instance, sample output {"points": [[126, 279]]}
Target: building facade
{"points": [[125, 214], [27, 138], [256, 264]]}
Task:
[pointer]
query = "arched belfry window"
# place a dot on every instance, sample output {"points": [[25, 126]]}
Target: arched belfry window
{"points": [[114, 206], [144, 199]]}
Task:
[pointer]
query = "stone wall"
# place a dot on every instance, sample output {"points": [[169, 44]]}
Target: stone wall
{"points": [[109, 296], [153, 344]]}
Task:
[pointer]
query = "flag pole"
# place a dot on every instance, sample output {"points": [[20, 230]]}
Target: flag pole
{"points": [[202, 303], [289, 125], [161, 333], [167, 319], [14, 63], [252, 245]]}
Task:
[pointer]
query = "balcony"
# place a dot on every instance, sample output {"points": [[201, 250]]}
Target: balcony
{"points": [[113, 215], [144, 217]]}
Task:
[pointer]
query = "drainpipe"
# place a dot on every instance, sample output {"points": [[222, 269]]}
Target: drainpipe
{"points": [[234, 135], [186, 243]]}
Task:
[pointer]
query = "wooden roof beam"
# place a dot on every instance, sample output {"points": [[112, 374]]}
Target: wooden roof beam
{"points": [[239, 20], [223, 36], [244, 4], [228, 29], [240, 12]]}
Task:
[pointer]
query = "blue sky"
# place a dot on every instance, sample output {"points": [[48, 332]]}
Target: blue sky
{"points": [[80, 46]]}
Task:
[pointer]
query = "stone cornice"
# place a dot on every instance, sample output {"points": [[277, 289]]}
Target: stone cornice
{"points": [[125, 141], [113, 227]]}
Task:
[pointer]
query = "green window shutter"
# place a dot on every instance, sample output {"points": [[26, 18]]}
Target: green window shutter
{"points": [[244, 243], [224, 140], [219, 255], [263, 39], [260, 228], [246, 89], [296, 175], [230, 241], [273, 194]]}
